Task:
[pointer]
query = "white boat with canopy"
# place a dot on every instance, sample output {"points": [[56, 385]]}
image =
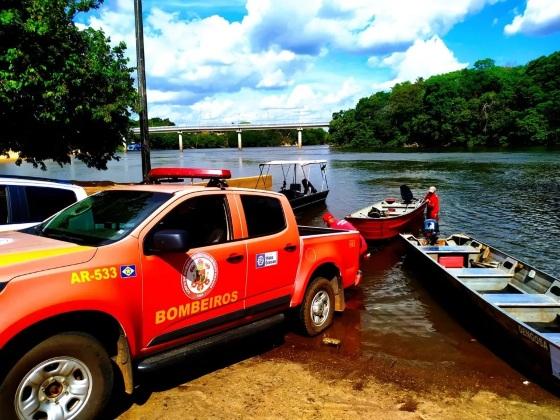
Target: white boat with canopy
{"points": [[304, 182]]}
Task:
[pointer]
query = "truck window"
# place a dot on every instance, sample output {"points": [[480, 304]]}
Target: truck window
{"points": [[264, 215], [43, 202], [102, 218], [3, 205], [205, 218]]}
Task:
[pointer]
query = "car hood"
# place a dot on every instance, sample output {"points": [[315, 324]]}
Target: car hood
{"points": [[22, 253], [17, 226]]}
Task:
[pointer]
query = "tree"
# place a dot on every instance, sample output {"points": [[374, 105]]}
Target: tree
{"points": [[484, 64], [405, 102], [158, 140], [487, 105], [63, 91]]}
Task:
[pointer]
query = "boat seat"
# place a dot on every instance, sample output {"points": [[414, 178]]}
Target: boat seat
{"points": [[449, 249], [485, 284], [554, 337], [479, 272], [521, 299]]}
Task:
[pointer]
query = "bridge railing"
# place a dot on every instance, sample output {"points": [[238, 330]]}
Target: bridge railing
{"points": [[239, 128], [233, 127]]}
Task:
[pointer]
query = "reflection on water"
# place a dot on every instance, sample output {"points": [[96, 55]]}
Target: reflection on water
{"points": [[510, 200], [391, 303]]}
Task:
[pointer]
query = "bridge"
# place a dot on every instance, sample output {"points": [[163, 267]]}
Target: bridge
{"points": [[239, 128]]}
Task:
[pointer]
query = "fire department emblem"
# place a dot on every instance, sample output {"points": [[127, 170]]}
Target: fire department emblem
{"points": [[200, 273]]}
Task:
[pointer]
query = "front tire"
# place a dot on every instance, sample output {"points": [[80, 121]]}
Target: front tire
{"points": [[317, 309], [66, 376]]}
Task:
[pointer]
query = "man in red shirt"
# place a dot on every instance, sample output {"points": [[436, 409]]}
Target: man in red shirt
{"points": [[432, 209], [343, 224]]}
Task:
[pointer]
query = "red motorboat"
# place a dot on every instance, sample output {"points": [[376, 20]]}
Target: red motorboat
{"points": [[389, 217]]}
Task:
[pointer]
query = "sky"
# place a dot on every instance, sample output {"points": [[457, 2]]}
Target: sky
{"points": [[215, 62]]}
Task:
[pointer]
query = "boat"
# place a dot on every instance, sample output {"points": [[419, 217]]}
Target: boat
{"points": [[389, 217], [516, 303], [296, 183]]}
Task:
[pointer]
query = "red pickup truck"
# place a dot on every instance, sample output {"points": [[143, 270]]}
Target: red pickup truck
{"points": [[136, 277]]}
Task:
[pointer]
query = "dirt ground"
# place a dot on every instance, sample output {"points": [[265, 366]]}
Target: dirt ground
{"points": [[287, 376]]}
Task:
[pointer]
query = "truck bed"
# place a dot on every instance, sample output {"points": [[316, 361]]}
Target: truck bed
{"points": [[313, 230]]}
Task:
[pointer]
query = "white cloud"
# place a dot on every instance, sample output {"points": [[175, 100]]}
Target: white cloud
{"points": [[202, 55], [353, 25], [302, 102], [540, 17], [212, 69], [422, 59]]}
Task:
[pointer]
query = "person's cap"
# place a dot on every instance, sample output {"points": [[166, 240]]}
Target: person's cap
{"points": [[432, 189], [327, 216]]}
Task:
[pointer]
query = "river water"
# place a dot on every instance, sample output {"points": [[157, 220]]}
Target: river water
{"points": [[508, 199]]}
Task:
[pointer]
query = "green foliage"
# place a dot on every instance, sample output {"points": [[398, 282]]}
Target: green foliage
{"points": [[486, 105], [63, 91]]}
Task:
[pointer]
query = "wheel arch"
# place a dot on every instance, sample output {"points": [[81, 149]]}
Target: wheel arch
{"points": [[105, 328], [330, 271]]}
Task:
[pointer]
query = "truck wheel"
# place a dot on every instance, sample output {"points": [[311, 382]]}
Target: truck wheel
{"points": [[67, 376], [317, 310]]}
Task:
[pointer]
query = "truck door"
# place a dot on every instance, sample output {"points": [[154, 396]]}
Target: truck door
{"points": [[188, 295], [273, 250]]}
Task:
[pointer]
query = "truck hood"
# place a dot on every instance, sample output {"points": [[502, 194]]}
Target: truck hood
{"points": [[21, 253]]}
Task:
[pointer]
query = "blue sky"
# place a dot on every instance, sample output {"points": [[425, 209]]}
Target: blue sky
{"points": [[216, 62]]}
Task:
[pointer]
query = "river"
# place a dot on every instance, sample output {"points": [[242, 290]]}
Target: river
{"points": [[508, 199]]}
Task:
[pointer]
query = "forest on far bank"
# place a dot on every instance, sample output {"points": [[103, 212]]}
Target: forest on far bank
{"points": [[486, 105]]}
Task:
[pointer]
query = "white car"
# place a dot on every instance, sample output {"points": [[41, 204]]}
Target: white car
{"points": [[25, 202]]}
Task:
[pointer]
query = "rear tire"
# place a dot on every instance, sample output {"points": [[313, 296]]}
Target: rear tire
{"points": [[66, 376], [317, 309]]}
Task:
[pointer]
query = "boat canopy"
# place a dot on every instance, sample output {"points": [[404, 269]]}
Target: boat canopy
{"points": [[296, 174], [294, 162]]}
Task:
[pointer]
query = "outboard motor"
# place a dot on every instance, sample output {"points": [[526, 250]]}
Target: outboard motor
{"points": [[431, 230], [406, 194]]}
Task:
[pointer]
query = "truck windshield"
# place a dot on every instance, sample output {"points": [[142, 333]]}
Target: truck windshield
{"points": [[102, 218]]}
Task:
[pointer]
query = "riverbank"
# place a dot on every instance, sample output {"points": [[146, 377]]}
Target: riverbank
{"points": [[298, 379]]}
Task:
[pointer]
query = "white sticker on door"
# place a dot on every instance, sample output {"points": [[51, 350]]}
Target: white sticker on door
{"points": [[267, 259]]}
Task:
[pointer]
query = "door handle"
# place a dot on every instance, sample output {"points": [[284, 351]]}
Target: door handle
{"points": [[234, 258], [290, 248]]}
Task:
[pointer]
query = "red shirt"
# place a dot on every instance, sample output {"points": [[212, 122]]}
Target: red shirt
{"points": [[433, 206]]}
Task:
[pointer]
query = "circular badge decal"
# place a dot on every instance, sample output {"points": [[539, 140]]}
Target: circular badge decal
{"points": [[200, 273]]}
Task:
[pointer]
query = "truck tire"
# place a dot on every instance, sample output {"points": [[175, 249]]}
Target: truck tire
{"points": [[66, 376], [317, 309]]}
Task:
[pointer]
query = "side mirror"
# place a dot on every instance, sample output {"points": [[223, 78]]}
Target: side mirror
{"points": [[169, 240]]}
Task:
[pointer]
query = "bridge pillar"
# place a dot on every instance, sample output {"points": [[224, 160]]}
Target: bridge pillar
{"points": [[239, 143], [180, 141], [299, 137]]}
